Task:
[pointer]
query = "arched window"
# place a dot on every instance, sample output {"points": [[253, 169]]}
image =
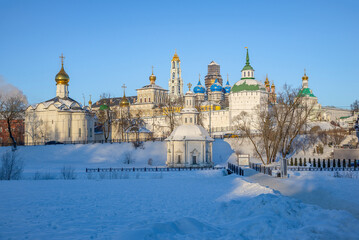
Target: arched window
{"points": [[178, 158], [244, 73], [173, 75], [190, 120], [145, 99], [185, 120], [140, 100], [149, 99]]}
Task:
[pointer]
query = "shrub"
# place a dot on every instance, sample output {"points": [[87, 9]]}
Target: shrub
{"points": [[305, 162], [300, 162], [339, 163], [291, 161], [68, 173], [323, 163], [328, 163], [127, 158], [11, 166], [344, 163], [295, 162], [355, 163], [314, 163], [319, 165]]}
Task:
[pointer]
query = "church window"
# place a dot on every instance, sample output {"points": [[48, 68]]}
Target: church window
{"points": [[173, 65], [173, 75], [190, 120], [69, 132], [145, 99], [194, 160], [140, 100], [52, 121], [149, 99], [185, 120], [90, 132], [79, 132], [244, 73], [178, 158]]}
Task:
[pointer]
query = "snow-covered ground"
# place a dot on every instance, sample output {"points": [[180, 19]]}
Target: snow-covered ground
{"points": [[50, 159], [192, 205], [169, 205]]}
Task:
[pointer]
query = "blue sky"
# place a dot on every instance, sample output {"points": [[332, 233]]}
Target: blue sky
{"points": [[109, 43]]}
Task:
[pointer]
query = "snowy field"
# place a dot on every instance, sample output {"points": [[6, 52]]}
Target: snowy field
{"points": [[169, 205], [196, 205]]}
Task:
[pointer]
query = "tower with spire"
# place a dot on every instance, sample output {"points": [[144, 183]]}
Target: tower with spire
{"points": [[175, 84], [247, 71]]}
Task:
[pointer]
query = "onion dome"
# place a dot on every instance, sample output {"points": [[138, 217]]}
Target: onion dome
{"points": [[266, 82], [216, 87], [248, 65], [124, 102], [199, 88], [152, 77], [227, 87], [62, 77], [305, 77], [175, 57], [273, 87]]}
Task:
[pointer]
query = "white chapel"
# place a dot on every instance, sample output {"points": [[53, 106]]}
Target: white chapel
{"points": [[189, 145]]}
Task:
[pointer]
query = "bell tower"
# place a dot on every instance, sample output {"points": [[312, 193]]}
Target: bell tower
{"points": [[175, 84]]}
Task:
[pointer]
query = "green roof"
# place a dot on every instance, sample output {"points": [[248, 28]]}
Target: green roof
{"points": [[248, 65], [245, 87], [345, 117], [306, 92], [103, 107]]}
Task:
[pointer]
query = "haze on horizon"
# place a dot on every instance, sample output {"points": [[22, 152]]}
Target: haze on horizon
{"points": [[110, 43]]}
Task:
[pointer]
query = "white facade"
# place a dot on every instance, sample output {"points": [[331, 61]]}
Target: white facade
{"points": [[189, 145], [59, 119], [175, 84]]}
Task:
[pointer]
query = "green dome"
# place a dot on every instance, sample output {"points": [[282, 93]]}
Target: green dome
{"points": [[306, 92], [247, 85], [248, 65]]}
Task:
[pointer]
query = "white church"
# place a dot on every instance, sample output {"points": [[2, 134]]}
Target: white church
{"points": [[60, 119], [189, 145]]}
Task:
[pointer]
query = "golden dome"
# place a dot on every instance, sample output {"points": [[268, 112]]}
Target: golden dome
{"points": [[152, 77], [273, 87], [62, 77], [305, 77], [175, 57], [124, 102], [267, 81]]}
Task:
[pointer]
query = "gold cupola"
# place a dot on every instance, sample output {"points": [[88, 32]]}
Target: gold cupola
{"points": [[273, 87], [62, 77], [175, 57], [305, 77], [124, 101], [152, 77], [267, 81]]}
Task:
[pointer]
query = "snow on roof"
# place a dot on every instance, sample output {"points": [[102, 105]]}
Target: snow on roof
{"points": [[189, 132]]}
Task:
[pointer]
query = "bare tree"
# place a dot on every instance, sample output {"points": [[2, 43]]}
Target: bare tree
{"points": [[11, 166], [11, 108], [105, 115], [337, 135], [274, 128], [355, 106], [33, 126], [171, 108]]}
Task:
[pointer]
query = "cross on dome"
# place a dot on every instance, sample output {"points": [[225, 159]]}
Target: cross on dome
{"points": [[62, 59], [189, 86]]}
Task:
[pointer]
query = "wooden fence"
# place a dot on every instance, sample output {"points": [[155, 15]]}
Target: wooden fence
{"points": [[152, 169], [235, 169]]}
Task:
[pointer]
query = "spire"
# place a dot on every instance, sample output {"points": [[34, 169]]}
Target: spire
{"points": [[124, 102], [248, 65], [175, 56], [227, 79], [247, 58]]}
